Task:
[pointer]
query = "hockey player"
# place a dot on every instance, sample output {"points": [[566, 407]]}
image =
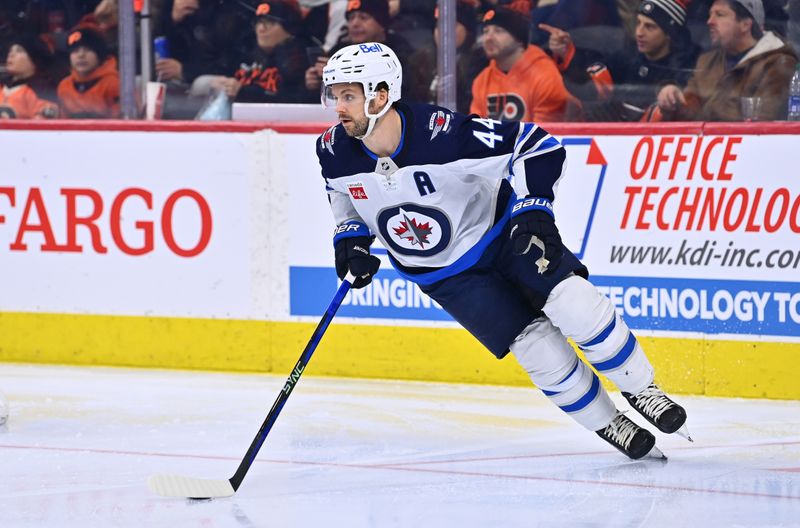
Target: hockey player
{"points": [[464, 207]]}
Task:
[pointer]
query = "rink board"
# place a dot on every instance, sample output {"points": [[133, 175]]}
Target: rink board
{"points": [[693, 366], [209, 248]]}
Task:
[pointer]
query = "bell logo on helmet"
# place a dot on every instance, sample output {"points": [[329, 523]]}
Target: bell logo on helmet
{"points": [[262, 9], [369, 49]]}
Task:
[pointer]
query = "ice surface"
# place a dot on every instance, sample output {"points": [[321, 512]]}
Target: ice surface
{"points": [[80, 444]]}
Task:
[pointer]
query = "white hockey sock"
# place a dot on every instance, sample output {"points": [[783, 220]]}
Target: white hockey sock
{"points": [[600, 332], [555, 368]]}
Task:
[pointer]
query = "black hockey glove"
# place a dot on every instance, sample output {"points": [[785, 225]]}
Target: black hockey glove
{"points": [[531, 219], [353, 254]]}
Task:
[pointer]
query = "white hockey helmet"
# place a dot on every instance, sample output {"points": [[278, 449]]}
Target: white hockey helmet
{"points": [[368, 64]]}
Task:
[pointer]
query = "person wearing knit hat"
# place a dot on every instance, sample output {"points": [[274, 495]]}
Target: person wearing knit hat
{"points": [[745, 62], [670, 15], [90, 39], [21, 93], [377, 9], [273, 70], [92, 89], [756, 10], [284, 12], [521, 82], [516, 23], [661, 27], [39, 51], [621, 86], [369, 21]]}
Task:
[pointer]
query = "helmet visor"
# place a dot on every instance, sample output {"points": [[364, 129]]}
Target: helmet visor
{"points": [[349, 92], [327, 97]]}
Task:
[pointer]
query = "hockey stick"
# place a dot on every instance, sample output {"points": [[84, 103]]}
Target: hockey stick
{"points": [[169, 485]]}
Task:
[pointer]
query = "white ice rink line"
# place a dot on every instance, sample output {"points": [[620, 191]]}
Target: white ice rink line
{"points": [[81, 442]]}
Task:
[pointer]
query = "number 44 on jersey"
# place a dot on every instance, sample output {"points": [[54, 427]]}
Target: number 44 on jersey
{"points": [[487, 138]]}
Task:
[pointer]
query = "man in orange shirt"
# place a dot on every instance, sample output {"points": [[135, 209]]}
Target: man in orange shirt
{"points": [[521, 82]]}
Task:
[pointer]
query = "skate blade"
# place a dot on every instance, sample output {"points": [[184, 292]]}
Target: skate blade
{"points": [[656, 454], [684, 432]]}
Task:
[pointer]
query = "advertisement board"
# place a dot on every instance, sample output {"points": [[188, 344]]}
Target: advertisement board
{"points": [[687, 234], [127, 224], [201, 245]]}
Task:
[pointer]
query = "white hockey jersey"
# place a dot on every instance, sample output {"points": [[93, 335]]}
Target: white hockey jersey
{"points": [[434, 202]]}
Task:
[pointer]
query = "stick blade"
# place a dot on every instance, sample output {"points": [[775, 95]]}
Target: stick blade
{"points": [[168, 485]]}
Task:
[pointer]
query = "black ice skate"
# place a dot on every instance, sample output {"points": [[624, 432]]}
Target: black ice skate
{"points": [[632, 440], [659, 410]]}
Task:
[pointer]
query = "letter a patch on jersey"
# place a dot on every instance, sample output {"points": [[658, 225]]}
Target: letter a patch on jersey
{"points": [[357, 191]]}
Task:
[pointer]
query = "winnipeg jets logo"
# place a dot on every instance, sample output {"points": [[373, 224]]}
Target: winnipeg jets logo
{"points": [[415, 232], [328, 139], [439, 122], [411, 229]]}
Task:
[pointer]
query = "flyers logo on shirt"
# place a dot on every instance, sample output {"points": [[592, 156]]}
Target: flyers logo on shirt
{"points": [[506, 107], [357, 191]]}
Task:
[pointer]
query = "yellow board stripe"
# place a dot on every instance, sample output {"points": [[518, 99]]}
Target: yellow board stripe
{"points": [[691, 366]]}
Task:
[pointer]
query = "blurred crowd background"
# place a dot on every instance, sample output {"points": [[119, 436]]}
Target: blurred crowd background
{"points": [[545, 60]]}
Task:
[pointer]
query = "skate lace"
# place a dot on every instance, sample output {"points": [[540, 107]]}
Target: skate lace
{"points": [[621, 431], [653, 401]]}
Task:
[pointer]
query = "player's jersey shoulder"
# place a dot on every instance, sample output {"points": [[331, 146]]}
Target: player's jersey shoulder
{"points": [[436, 135], [431, 135], [341, 155]]}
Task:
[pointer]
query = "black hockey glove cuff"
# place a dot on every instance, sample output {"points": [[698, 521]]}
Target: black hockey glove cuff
{"points": [[532, 221], [351, 247]]}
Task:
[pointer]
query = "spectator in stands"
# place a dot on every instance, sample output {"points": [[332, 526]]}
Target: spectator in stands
{"points": [[745, 62], [26, 92], [203, 38], [470, 59], [775, 19], [105, 20], [274, 71], [521, 82], [624, 86], [368, 21], [92, 89]]}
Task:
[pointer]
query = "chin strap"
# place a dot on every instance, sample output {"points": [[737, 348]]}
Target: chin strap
{"points": [[373, 118]]}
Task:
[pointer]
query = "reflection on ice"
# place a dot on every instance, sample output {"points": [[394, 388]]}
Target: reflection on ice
{"points": [[80, 444]]}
